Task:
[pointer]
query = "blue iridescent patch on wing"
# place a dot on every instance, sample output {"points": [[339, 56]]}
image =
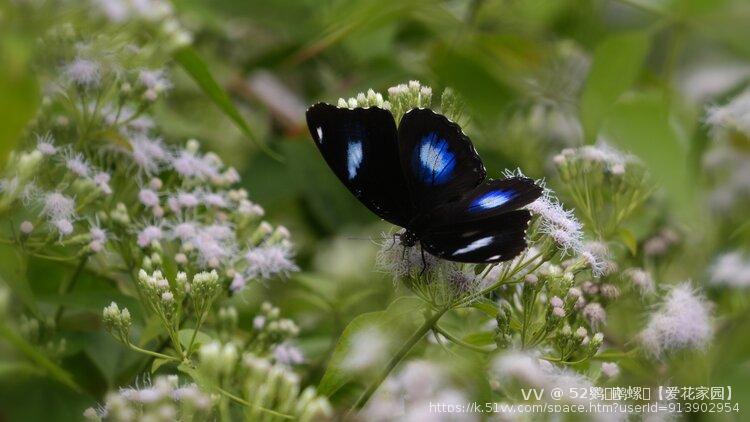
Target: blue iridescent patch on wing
{"points": [[353, 158], [432, 161], [491, 200]]}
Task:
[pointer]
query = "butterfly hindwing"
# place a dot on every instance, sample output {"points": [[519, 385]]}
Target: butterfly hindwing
{"points": [[438, 160], [360, 146], [487, 240], [490, 199]]}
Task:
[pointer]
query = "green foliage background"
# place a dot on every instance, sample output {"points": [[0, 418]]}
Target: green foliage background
{"points": [[640, 51]]}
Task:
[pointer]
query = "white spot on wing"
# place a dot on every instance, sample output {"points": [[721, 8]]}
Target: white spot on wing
{"points": [[320, 134], [479, 243], [354, 158]]}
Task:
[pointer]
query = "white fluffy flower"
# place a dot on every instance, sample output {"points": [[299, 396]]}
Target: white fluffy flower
{"points": [[288, 354], [594, 313], [401, 261], [527, 369], [101, 180], [190, 165], [211, 251], [46, 144], [682, 321], [558, 223], [267, 261], [56, 206], [148, 197], [77, 164], [734, 115], [610, 369], [149, 234], [641, 279], [83, 72], [185, 230], [367, 348], [730, 269], [148, 154], [155, 79], [63, 226]]}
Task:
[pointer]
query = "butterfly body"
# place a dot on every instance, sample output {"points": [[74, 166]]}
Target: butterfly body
{"points": [[426, 177]]}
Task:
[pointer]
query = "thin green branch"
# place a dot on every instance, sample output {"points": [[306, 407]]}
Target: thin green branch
{"points": [[426, 326], [460, 342]]}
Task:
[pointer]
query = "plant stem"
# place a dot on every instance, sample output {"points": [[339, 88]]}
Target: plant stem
{"points": [[68, 285], [460, 342], [31, 352], [195, 332], [247, 403], [152, 353], [426, 326]]}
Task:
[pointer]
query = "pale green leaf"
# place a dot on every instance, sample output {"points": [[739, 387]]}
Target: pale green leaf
{"points": [[194, 65], [402, 316], [616, 65]]}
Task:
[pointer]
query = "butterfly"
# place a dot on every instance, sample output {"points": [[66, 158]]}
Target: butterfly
{"points": [[426, 177]]}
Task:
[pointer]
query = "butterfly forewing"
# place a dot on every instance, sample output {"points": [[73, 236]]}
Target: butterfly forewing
{"points": [[438, 160], [360, 146], [488, 240]]}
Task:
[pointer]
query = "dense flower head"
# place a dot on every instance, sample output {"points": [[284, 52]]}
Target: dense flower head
{"points": [[162, 399], [730, 269], [406, 395], [682, 321], [733, 116], [83, 72], [559, 224]]}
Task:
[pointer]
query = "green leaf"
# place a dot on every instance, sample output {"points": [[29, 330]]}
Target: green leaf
{"points": [[474, 76], [398, 321], [157, 363], [152, 330], [54, 371], [489, 308], [106, 353], [10, 370], [194, 65], [628, 238], [482, 338], [616, 65], [13, 272], [19, 88], [186, 335], [644, 125], [93, 300]]}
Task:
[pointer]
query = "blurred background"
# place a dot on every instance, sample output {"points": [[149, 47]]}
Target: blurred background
{"points": [[537, 76]]}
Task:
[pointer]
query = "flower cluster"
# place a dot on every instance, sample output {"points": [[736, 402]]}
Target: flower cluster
{"points": [[273, 335], [164, 399], [98, 183], [605, 184], [726, 161], [403, 97], [406, 395], [262, 385], [157, 15]]}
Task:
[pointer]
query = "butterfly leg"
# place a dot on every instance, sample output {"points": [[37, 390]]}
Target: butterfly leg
{"points": [[395, 236], [424, 261]]}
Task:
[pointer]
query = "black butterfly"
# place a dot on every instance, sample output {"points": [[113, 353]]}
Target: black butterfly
{"points": [[426, 177]]}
